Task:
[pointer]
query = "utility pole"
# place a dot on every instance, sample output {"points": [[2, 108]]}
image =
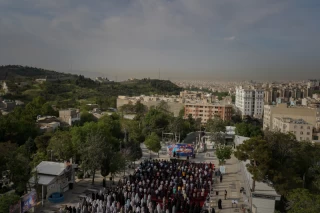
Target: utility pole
{"points": [[51, 153]]}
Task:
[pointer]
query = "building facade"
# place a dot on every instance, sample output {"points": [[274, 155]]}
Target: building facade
{"points": [[250, 101], [309, 115], [301, 129], [69, 116], [207, 111], [175, 104]]}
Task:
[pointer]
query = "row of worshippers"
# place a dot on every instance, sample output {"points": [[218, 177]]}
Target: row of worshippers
{"points": [[113, 202], [162, 178]]}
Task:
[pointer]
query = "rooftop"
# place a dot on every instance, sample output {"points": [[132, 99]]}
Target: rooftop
{"points": [[51, 168], [291, 120]]}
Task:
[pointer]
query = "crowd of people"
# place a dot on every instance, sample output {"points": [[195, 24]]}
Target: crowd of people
{"points": [[156, 186]]}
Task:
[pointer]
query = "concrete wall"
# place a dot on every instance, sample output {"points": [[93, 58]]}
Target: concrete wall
{"points": [[263, 205]]}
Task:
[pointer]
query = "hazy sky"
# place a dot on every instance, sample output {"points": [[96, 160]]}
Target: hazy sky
{"points": [[198, 39]]}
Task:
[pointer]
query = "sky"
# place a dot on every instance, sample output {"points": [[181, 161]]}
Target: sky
{"points": [[183, 39]]}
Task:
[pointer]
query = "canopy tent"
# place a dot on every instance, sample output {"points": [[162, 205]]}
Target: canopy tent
{"points": [[182, 149]]}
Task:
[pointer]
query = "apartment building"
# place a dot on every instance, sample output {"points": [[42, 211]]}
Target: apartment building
{"points": [[301, 129], [205, 111], [69, 116], [309, 115], [250, 101]]}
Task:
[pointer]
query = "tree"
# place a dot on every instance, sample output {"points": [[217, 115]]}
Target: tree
{"points": [[164, 107], [18, 164], [248, 130], [156, 121], [152, 143], [8, 200], [86, 117], [216, 128], [94, 151], [112, 164], [284, 168], [301, 200], [61, 145], [42, 142], [255, 150], [215, 125], [223, 153]]}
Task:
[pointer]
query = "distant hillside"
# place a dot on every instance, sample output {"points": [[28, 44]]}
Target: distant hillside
{"points": [[21, 72], [69, 90]]}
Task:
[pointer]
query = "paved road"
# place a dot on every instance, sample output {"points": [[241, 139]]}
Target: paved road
{"points": [[232, 182]]}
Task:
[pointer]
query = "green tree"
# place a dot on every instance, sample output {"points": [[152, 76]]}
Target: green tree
{"points": [[256, 152], [301, 200], [283, 169], [215, 125], [223, 153], [248, 130], [112, 164], [18, 164], [86, 117], [61, 145], [152, 143], [156, 121], [94, 151], [42, 142], [46, 109], [216, 128], [8, 200]]}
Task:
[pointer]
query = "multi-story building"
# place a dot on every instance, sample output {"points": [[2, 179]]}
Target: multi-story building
{"points": [[69, 116], [250, 101], [301, 129], [309, 115], [175, 103], [207, 111]]}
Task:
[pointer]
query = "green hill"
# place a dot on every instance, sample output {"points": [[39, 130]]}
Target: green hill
{"points": [[68, 90], [13, 72]]}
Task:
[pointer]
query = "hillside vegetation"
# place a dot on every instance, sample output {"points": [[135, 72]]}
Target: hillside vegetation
{"points": [[68, 90]]}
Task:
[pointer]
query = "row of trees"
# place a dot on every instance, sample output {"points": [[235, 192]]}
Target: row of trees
{"points": [[291, 167]]}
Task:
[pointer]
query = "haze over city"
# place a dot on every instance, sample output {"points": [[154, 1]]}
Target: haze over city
{"points": [[184, 39]]}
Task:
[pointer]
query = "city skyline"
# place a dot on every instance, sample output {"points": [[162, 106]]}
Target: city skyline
{"points": [[184, 39]]}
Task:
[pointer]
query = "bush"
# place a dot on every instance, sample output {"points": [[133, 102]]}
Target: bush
{"points": [[80, 174]]}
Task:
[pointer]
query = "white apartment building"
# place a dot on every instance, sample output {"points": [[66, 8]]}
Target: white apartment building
{"points": [[250, 101], [301, 129]]}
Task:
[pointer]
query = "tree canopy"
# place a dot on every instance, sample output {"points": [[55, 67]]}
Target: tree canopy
{"points": [[152, 142]]}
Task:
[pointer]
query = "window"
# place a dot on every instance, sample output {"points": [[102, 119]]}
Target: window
{"points": [[308, 133], [295, 126], [308, 127], [300, 138], [301, 133], [301, 127]]}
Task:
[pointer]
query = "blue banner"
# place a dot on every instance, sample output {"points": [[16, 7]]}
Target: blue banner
{"points": [[28, 201]]}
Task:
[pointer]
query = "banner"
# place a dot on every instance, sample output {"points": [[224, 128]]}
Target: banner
{"points": [[180, 149], [28, 201], [16, 208]]}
